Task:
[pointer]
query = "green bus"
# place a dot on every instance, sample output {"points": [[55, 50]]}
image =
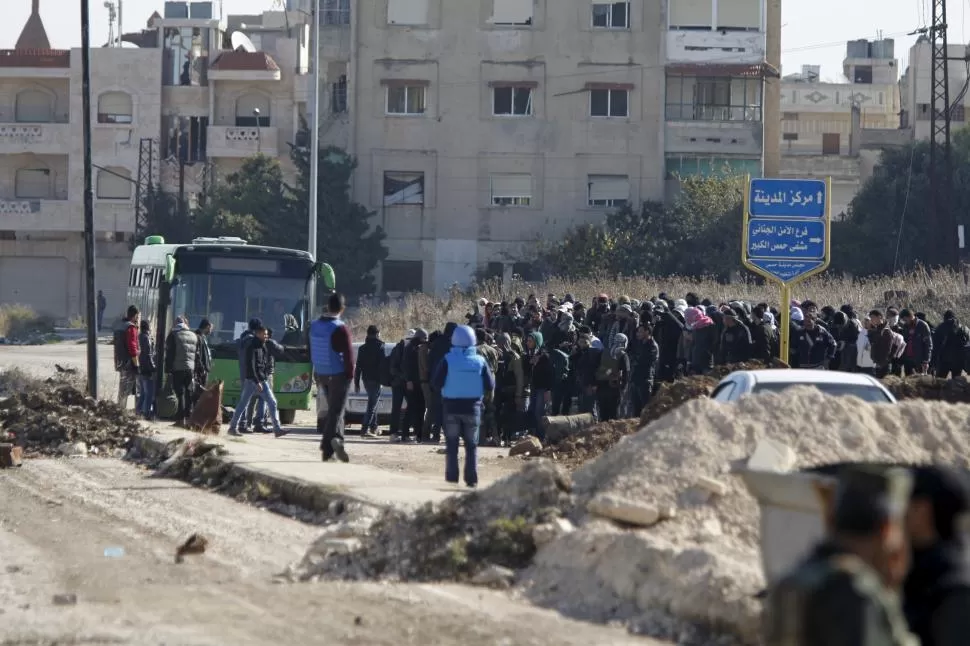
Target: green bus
{"points": [[230, 282]]}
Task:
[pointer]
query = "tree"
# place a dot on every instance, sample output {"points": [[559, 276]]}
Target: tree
{"points": [[253, 203], [699, 232], [345, 238], [163, 218]]}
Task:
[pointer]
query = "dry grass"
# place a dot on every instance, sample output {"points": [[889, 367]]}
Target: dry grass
{"points": [[930, 292], [20, 321]]}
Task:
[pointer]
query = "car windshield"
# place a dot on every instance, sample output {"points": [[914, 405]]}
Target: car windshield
{"points": [[869, 394], [230, 301]]}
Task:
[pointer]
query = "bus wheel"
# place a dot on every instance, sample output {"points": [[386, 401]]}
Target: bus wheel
{"points": [[287, 416]]}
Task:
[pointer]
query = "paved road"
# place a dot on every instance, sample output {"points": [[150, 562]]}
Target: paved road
{"points": [[57, 518]]}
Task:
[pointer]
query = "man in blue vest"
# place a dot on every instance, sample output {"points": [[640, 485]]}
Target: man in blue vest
{"points": [[462, 377], [332, 356]]}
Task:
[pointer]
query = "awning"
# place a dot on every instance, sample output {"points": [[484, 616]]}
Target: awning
{"points": [[744, 70]]}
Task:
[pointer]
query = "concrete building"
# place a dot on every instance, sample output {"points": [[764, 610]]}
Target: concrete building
{"points": [[178, 107], [827, 128], [916, 84]]}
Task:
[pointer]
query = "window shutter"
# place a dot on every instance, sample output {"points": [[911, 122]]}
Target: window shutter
{"points": [[33, 183], [112, 187], [512, 185], [690, 13], [114, 103], [609, 187], [512, 12], [745, 14], [407, 12], [34, 106]]}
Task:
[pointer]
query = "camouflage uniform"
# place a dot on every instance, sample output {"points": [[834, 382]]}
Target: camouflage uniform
{"points": [[834, 598]]}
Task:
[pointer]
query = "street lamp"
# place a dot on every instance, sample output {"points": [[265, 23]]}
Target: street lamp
{"points": [[259, 134]]}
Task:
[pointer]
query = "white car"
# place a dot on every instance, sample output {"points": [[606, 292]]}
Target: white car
{"points": [[357, 402], [830, 382]]}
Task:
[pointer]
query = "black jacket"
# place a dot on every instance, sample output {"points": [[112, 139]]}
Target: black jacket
{"points": [[146, 355], [645, 358], [412, 371], [542, 377], [439, 348], [735, 344], [257, 360], [369, 358], [936, 595]]}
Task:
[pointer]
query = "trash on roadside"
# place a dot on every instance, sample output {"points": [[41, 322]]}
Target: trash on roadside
{"points": [[196, 544], [66, 599]]}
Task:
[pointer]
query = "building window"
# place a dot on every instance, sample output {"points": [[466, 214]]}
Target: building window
{"points": [[512, 101], [407, 12], [114, 184], [739, 15], [335, 12], [713, 98], [252, 111], [114, 107], [33, 183], [862, 74], [609, 103], [402, 275], [511, 190], [406, 99], [608, 190], [789, 116], [402, 188], [611, 15], [34, 106], [690, 14], [516, 13], [338, 95]]}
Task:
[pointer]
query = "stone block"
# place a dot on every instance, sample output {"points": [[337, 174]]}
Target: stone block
{"points": [[624, 511], [772, 455]]}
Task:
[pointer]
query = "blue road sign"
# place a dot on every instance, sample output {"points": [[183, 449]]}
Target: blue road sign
{"points": [[789, 198], [783, 239]]}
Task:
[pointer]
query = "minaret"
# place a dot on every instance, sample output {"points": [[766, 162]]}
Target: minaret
{"points": [[34, 36]]}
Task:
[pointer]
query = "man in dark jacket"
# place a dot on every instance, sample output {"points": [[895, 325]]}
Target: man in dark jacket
{"points": [[950, 344], [413, 393], [644, 369], [181, 357], [814, 345], [436, 353], [398, 384], [919, 344], [936, 593], [204, 365], [735, 340], [146, 372], [256, 369], [370, 357]]}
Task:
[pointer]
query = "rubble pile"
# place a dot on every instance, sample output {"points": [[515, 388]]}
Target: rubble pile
{"points": [[955, 391], [483, 536], [578, 448], [54, 417]]}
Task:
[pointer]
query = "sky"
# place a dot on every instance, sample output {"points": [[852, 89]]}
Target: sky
{"points": [[814, 32]]}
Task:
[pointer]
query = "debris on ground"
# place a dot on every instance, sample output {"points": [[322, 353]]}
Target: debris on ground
{"points": [[54, 417], [464, 538], [578, 448], [526, 447], [196, 544], [657, 533], [955, 391], [11, 456]]}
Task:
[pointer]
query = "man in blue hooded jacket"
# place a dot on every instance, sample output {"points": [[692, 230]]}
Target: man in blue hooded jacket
{"points": [[463, 377]]}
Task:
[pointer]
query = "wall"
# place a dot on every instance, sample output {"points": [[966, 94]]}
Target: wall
{"points": [[458, 142]]}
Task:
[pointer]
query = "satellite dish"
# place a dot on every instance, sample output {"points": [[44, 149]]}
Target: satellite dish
{"points": [[240, 41]]}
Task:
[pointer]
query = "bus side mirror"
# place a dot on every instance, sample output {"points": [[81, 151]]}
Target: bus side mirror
{"points": [[325, 273], [169, 267]]}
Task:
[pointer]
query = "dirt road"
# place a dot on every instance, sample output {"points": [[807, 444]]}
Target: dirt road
{"points": [[104, 531]]}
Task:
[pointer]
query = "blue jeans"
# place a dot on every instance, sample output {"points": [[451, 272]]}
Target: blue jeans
{"points": [[373, 389], [537, 410], [266, 395], [146, 396], [462, 427]]}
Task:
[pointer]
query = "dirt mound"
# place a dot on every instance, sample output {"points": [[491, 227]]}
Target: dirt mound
{"points": [[955, 391], [454, 541], [54, 417], [574, 450]]}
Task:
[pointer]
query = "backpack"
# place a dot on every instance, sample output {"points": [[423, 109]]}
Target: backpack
{"points": [[560, 366], [384, 368]]}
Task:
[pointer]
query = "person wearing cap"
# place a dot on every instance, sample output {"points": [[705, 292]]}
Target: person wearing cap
{"points": [[936, 594], [332, 356], [951, 340], [844, 592], [919, 344], [463, 378], [370, 358], [735, 339], [398, 384], [181, 360]]}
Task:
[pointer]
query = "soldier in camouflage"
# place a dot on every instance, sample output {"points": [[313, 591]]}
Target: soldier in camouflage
{"points": [[844, 592]]}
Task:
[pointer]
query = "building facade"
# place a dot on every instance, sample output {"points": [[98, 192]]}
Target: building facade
{"points": [[915, 88]]}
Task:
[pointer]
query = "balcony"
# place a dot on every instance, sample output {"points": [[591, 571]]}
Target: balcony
{"points": [[39, 215], [36, 138], [729, 138], [709, 46], [242, 141]]}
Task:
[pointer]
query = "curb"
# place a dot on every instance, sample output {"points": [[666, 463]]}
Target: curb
{"points": [[288, 490]]}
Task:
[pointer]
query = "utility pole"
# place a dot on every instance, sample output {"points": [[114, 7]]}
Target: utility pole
{"points": [[90, 283], [941, 169], [315, 134]]}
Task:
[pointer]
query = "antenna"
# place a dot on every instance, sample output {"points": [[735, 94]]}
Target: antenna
{"points": [[240, 41], [112, 14]]}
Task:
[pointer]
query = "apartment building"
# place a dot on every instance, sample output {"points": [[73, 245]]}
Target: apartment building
{"points": [[716, 74], [826, 126], [915, 87], [176, 108]]}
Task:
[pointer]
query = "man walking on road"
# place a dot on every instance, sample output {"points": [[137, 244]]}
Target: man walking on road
{"points": [[257, 371], [332, 356], [127, 354], [463, 378], [370, 358]]}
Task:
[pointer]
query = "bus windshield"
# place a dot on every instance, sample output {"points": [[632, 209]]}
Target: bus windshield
{"points": [[230, 301]]}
